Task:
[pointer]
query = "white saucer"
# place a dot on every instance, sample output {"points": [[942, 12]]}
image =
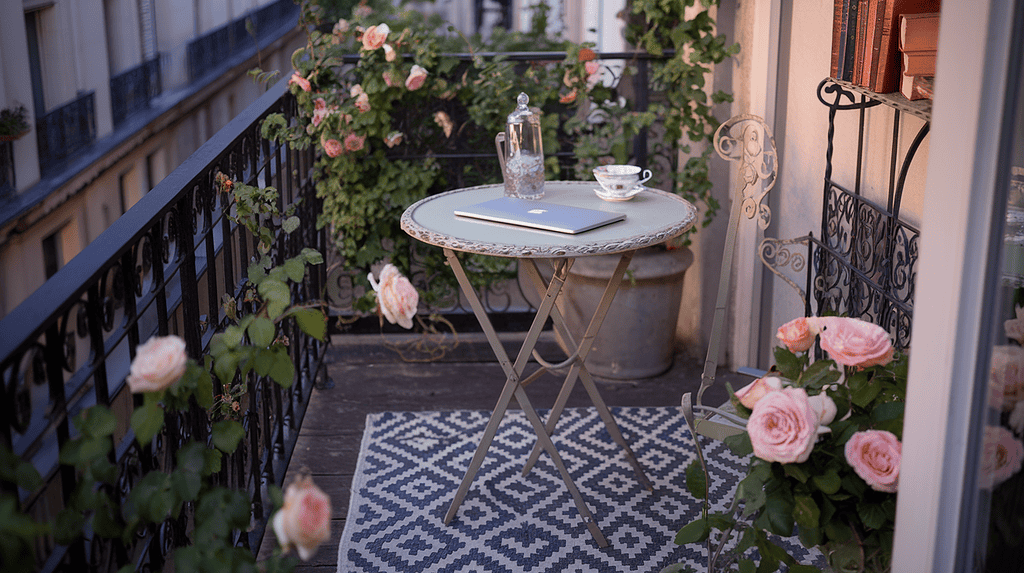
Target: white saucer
{"points": [[607, 197]]}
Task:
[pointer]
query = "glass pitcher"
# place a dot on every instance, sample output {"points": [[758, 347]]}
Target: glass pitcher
{"points": [[522, 159]]}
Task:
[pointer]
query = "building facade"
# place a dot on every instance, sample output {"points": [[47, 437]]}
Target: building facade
{"points": [[117, 94]]}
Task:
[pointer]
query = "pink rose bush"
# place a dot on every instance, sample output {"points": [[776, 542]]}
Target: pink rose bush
{"points": [[397, 299], [158, 364], [375, 36], [823, 431], [304, 521], [417, 76]]}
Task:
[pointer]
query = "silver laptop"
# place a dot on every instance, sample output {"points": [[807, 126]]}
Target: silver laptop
{"points": [[540, 215]]}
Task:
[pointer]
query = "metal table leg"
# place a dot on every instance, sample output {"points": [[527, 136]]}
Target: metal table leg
{"points": [[579, 368], [513, 386]]}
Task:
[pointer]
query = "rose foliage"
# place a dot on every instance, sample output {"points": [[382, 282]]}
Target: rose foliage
{"points": [[825, 442]]}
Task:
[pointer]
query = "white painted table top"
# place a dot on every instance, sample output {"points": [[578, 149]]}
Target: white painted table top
{"points": [[652, 217]]}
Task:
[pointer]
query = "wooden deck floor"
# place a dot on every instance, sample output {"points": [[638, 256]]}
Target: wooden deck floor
{"points": [[369, 377]]}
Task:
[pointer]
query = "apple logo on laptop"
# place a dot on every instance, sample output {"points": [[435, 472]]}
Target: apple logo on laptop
{"points": [[537, 211]]}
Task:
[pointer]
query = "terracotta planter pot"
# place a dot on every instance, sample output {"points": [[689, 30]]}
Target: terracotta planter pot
{"points": [[637, 339]]}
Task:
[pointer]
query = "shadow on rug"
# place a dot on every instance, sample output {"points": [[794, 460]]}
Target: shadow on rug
{"points": [[411, 463]]}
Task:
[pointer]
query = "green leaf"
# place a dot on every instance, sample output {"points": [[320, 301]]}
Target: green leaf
{"points": [[261, 332], [747, 566], [226, 435], [780, 514], [796, 472], [739, 444], [790, 365], [27, 476], [828, 482], [277, 296], [147, 421], [186, 485], [888, 411], [863, 390], [803, 569], [282, 370], [312, 256], [810, 536], [68, 527], [818, 375], [871, 514], [805, 511], [204, 386], [97, 421], [290, 224], [224, 366], [693, 532], [211, 461], [232, 337], [312, 322], [696, 480], [295, 269]]}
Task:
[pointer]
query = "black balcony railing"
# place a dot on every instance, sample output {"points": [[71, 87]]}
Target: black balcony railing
{"points": [[206, 53], [131, 91], [162, 268], [66, 130]]}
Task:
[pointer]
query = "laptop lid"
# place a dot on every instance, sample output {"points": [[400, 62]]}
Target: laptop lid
{"points": [[540, 215]]}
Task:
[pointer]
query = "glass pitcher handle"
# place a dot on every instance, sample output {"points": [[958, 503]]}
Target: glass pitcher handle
{"points": [[499, 139]]}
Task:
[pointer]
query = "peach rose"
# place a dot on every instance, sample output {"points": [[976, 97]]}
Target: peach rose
{"points": [[592, 67], [1001, 456], [798, 334], [417, 76], [389, 53], [158, 364], [396, 297], [300, 81], [783, 426], [354, 142], [751, 393], [340, 27], [305, 518], [875, 455], [363, 102], [332, 147], [441, 118], [1006, 377], [568, 98], [394, 138], [854, 342], [374, 36], [319, 111]]}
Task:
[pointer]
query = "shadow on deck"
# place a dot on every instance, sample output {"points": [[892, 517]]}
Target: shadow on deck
{"points": [[370, 377]]}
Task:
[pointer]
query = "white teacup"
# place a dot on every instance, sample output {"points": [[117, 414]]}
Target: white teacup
{"points": [[620, 180]]}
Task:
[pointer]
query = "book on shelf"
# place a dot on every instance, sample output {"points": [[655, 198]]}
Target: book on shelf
{"points": [[837, 42], [919, 32], [918, 63], [917, 87], [889, 67], [849, 54], [872, 42], [858, 50]]}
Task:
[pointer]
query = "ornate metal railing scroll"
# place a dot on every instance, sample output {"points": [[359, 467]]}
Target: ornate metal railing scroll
{"points": [[165, 267], [865, 261], [793, 254], [747, 140]]}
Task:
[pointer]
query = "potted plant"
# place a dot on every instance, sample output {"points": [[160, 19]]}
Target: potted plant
{"points": [[638, 336], [13, 123]]}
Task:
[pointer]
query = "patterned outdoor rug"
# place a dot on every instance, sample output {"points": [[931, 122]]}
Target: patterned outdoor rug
{"points": [[411, 463]]}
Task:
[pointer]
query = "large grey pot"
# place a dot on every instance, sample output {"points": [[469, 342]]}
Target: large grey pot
{"points": [[637, 339]]}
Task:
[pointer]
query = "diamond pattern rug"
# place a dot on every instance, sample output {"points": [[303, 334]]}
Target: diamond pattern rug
{"points": [[411, 463]]}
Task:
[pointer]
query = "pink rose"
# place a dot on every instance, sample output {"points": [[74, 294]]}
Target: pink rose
{"points": [[341, 27], [389, 53], [1001, 456], [396, 297], [783, 426], [751, 393], [416, 78], [875, 455], [798, 334], [300, 81], [305, 518], [854, 342], [158, 364], [319, 111], [1015, 326], [391, 82], [362, 10], [441, 118], [374, 36], [363, 102], [332, 147], [354, 142], [1006, 377], [592, 67]]}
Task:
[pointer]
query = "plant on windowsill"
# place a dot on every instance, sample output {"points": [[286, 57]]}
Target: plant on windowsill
{"points": [[13, 123]]}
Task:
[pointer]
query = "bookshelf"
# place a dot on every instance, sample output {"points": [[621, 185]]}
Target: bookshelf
{"points": [[921, 108]]}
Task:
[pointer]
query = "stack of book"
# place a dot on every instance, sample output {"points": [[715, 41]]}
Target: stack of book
{"points": [[919, 35], [865, 37]]}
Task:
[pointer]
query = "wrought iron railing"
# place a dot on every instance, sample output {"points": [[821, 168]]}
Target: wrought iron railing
{"points": [[132, 90], [162, 268], [65, 130], [207, 52]]}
